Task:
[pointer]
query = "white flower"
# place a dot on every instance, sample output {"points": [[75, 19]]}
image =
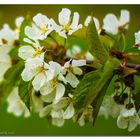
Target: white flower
{"points": [[54, 89], [96, 21], [112, 25], [72, 52], [16, 105], [59, 111], [7, 36], [103, 112], [5, 61], [39, 70], [87, 115], [68, 25], [42, 26], [128, 118], [30, 51], [71, 68]]}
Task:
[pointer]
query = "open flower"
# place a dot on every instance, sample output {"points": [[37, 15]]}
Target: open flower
{"points": [[16, 105], [68, 25], [39, 70], [30, 51], [96, 22], [5, 61], [7, 36], [128, 118], [71, 68], [113, 25], [87, 116], [59, 111], [42, 26], [54, 89]]}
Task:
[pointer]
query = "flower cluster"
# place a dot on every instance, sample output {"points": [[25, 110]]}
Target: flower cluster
{"points": [[51, 69]]}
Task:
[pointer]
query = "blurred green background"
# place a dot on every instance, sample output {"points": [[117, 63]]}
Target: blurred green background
{"points": [[10, 125]]}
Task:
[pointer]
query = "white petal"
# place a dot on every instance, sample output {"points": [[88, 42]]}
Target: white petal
{"points": [[25, 52], [81, 120], [132, 123], [57, 113], [48, 98], [137, 37], [48, 88], [56, 67], [64, 16], [69, 112], [19, 21], [87, 21], [41, 20], [32, 32], [78, 63], [128, 112], [39, 81], [124, 17], [27, 74], [111, 24], [45, 111], [77, 71], [122, 122], [96, 22], [72, 80], [60, 90], [75, 21], [58, 122], [62, 103]]}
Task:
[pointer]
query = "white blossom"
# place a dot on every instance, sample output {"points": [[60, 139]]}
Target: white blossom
{"points": [[7, 36], [16, 105], [5, 61], [68, 24], [112, 24], [42, 26], [37, 69], [71, 68], [54, 89], [59, 111], [128, 118]]}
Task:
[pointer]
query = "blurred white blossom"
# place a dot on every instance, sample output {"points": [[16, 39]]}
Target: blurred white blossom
{"points": [[16, 105], [112, 24]]}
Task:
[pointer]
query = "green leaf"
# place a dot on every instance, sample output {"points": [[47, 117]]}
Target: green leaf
{"points": [[94, 43], [12, 77], [99, 99], [83, 87], [25, 90], [137, 91]]}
